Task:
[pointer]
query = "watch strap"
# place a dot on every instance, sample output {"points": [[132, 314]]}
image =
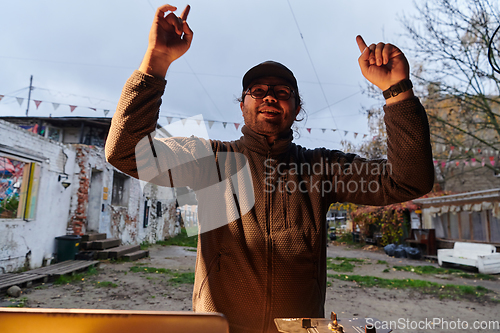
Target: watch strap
{"points": [[398, 88]]}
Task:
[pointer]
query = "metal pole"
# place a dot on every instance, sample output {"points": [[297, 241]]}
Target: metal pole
{"points": [[29, 95]]}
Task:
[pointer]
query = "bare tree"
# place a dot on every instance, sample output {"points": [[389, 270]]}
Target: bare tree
{"points": [[449, 39]]}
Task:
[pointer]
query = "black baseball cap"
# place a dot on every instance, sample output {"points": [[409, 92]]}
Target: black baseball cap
{"points": [[269, 68]]}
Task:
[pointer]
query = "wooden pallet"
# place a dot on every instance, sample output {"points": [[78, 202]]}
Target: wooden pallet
{"points": [[65, 267], [25, 279]]}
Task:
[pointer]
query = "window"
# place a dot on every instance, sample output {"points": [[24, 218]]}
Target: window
{"points": [[54, 134], [465, 225], [453, 226], [494, 227], [479, 226], [18, 188], [120, 190]]}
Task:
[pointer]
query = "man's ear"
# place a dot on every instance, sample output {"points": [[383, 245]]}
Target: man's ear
{"points": [[297, 111]]}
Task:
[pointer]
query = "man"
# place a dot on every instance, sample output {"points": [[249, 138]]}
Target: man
{"points": [[269, 261]]}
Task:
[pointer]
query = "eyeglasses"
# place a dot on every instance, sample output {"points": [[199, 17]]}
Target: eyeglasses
{"points": [[280, 91]]}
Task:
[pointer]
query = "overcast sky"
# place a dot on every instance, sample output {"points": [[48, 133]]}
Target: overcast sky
{"points": [[80, 53]]}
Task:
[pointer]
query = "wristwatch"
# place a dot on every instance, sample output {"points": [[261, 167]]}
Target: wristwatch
{"points": [[398, 88]]}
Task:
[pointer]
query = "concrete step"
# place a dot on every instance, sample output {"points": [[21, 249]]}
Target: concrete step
{"points": [[103, 244], [117, 252], [136, 255], [93, 237]]}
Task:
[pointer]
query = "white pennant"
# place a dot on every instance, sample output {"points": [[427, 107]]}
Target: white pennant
{"points": [[106, 112], [55, 105], [20, 100]]}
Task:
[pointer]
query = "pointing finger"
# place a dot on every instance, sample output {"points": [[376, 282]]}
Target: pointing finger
{"points": [[361, 43], [185, 13]]}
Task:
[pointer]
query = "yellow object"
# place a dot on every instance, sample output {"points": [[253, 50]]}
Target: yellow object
{"points": [[104, 196], [15, 320]]}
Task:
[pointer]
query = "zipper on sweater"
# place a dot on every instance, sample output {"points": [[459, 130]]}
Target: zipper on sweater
{"points": [[269, 253]]}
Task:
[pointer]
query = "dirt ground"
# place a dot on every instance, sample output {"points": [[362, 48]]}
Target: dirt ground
{"points": [[117, 287]]}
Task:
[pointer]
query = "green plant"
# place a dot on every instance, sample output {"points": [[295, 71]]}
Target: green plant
{"points": [[426, 287], [382, 262], [21, 303], [438, 270], [105, 284], [344, 266], [175, 277], [181, 239]]}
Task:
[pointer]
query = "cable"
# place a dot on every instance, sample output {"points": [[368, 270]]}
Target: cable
{"points": [[312, 64], [491, 56]]}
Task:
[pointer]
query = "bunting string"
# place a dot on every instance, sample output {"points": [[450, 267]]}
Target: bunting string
{"points": [[170, 119]]}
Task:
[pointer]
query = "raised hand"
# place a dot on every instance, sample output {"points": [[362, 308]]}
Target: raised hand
{"points": [[383, 64], [169, 38]]}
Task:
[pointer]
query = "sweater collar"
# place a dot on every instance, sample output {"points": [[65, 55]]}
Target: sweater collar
{"points": [[258, 142]]}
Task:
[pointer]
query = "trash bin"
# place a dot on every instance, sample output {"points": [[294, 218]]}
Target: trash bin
{"points": [[67, 247]]}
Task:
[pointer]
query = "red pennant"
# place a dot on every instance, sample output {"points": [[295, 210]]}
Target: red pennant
{"points": [[452, 148], [473, 161], [443, 165], [37, 103], [483, 162], [236, 125], [479, 150], [93, 109], [492, 160], [309, 130], [457, 163], [1, 96], [72, 107], [436, 163]]}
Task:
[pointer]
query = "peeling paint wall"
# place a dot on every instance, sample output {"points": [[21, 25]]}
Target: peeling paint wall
{"points": [[24, 244], [125, 220], [60, 211]]}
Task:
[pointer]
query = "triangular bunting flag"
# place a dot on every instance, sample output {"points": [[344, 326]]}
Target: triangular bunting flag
{"points": [[443, 165], [37, 103], [333, 129], [1, 96], [355, 135], [224, 123], [457, 163], [169, 120], [183, 120], [466, 162], [483, 162], [365, 135], [236, 125], [55, 105], [210, 123], [95, 110], [72, 107], [473, 161], [435, 163], [198, 121], [345, 133], [106, 112], [20, 100], [492, 160], [323, 130], [309, 130], [452, 148], [479, 150]]}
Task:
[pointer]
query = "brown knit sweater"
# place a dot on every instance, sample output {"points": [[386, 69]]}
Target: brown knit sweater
{"points": [[270, 262]]}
